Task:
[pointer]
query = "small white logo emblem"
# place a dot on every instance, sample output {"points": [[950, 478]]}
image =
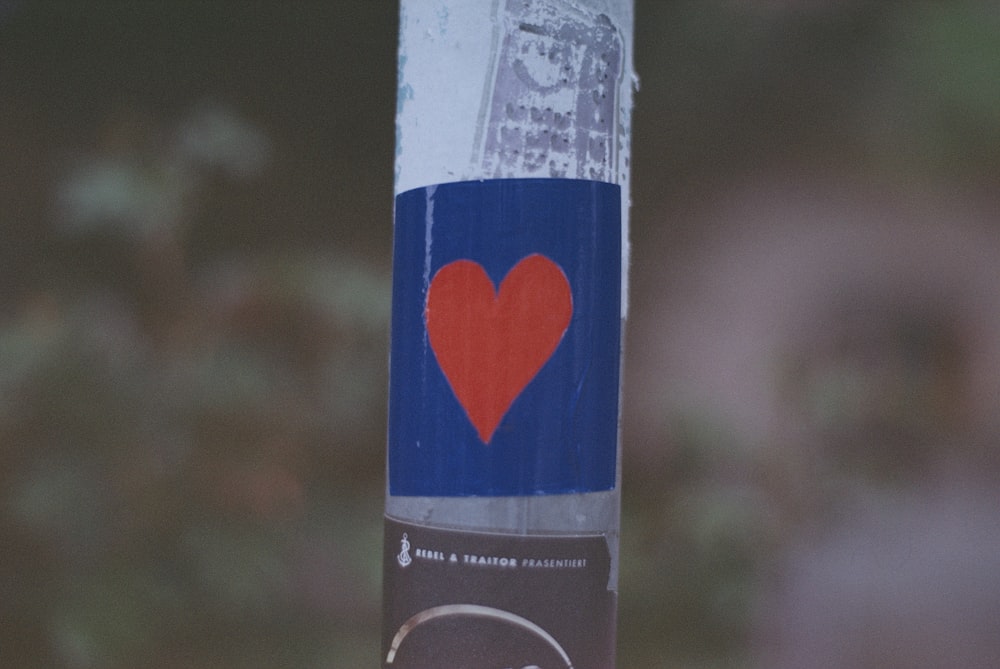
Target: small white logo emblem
{"points": [[404, 558]]}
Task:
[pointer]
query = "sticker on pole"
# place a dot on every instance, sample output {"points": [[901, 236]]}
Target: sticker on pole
{"points": [[465, 599], [505, 338]]}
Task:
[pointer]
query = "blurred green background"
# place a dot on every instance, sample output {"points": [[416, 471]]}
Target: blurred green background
{"points": [[196, 206]]}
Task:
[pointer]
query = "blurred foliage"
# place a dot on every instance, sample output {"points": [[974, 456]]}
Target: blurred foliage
{"points": [[895, 93], [947, 68], [195, 306], [181, 456], [191, 408]]}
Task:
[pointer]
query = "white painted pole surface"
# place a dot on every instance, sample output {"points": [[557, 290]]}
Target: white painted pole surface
{"points": [[447, 118], [511, 90]]}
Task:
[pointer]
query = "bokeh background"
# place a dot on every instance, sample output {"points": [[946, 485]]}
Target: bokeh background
{"points": [[195, 209]]}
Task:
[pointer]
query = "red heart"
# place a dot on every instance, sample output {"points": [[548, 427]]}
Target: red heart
{"points": [[491, 345]]}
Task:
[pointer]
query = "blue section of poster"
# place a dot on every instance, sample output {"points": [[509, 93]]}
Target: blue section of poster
{"points": [[505, 346]]}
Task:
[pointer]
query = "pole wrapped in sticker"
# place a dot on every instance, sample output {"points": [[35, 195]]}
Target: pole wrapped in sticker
{"points": [[510, 248]]}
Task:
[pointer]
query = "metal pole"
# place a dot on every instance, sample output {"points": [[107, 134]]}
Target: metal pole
{"points": [[510, 250]]}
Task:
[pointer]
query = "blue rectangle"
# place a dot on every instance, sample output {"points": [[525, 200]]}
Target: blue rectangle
{"points": [[506, 338]]}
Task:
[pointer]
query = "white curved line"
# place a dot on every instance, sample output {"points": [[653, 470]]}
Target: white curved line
{"points": [[477, 611]]}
